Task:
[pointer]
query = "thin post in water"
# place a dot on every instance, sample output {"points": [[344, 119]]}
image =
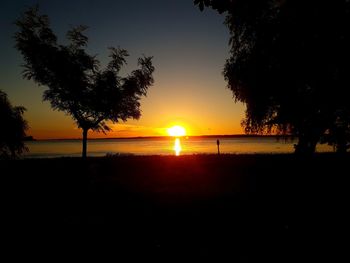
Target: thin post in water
{"points": [[218, 144]]}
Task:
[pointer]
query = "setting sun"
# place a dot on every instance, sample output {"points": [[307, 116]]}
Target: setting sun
{"points": [[176, 131]]}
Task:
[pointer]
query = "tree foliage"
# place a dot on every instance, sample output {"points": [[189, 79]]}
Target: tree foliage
{"points": [[289, 63], [13, 128], [75, 82]]}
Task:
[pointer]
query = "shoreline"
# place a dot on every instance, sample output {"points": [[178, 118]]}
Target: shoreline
{"points": [[107, 155]]}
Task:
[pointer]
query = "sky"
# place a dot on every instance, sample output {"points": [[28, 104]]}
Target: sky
{"points": [[189, 49]]}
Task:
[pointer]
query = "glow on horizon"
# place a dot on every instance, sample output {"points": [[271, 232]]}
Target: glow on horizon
{"points": [[176, 131]]}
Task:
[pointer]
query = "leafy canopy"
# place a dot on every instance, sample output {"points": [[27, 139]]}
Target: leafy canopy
{"points": [[289, 63], [13, 128], [75, 82]]}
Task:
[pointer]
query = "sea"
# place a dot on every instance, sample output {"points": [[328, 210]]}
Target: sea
{"points": [[163, 146]]}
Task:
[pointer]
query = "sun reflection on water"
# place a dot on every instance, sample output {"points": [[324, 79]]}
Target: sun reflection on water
{"points": [[177, 147]]}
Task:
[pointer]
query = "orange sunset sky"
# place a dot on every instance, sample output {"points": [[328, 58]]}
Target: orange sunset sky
{"points": [[189, 49]]}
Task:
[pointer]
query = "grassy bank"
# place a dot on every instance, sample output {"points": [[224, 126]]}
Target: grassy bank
{"points": [[241, 207]]}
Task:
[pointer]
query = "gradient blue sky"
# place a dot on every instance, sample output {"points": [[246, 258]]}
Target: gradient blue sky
{"points": [[189, 49]]}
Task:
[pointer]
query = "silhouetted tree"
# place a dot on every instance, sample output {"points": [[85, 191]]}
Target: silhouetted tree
{"points": [[13, 128], [338, 134], [289, 64], [75, 83]]}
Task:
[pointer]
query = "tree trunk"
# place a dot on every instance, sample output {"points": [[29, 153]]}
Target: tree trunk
{"points": [[85, 132], [306, 144], [301, 146], [341, 143]]}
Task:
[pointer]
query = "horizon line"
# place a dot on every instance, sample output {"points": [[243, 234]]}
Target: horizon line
{"points": [[31, 138]]}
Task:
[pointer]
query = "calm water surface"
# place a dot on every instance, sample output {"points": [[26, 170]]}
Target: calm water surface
{"points": [[162, 146]]}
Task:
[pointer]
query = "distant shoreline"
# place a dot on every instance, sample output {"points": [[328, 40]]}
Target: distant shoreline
{"points": [[168, 137]]}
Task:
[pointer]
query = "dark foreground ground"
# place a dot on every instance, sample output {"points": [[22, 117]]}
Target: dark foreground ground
{"points": [[228, 208]]}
